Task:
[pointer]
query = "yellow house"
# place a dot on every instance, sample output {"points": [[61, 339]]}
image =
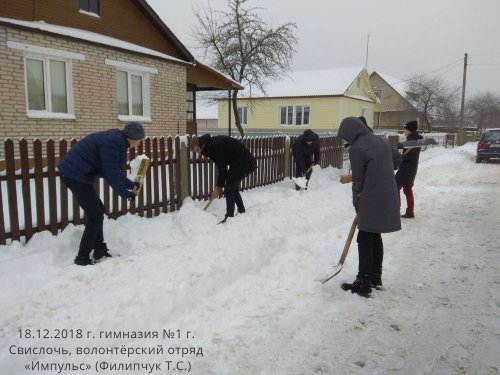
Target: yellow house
{"points": [[317, 99]]}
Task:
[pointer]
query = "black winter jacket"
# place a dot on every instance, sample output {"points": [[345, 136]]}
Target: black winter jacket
{"points": [[409, 165], [226, 152], [303, 153]]}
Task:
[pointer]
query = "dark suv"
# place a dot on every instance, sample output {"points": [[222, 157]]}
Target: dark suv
{"points": [[488, 146]]}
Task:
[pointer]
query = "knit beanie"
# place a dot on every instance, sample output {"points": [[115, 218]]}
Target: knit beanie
{"points": [[411, 126], [133, 130]]}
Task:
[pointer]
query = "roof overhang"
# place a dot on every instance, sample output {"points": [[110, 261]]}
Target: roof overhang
{"points": [[206, 78]]}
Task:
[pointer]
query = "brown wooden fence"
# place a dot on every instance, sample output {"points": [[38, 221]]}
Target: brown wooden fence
{"points": [[33, 198]]}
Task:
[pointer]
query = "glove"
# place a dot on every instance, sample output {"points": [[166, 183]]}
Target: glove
{"points": [[217, 193], [131, 196]]}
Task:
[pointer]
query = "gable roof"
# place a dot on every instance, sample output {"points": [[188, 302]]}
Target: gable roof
{"points": [[153, 16], [397, 84], [324, 82], [90, 36]]}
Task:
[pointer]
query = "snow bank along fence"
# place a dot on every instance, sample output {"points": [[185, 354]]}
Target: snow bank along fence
{"points": [[33, 198]]}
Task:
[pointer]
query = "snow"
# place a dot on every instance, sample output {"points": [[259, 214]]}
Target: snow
{"points": [[245, 289], [397, 84], [314, 83], [90, 37], [134, 166]]}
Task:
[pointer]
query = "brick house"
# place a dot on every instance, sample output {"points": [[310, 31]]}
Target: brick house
{"points": [[70, 67]]}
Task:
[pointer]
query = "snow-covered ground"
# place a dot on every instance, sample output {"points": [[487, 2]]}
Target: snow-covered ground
{"points": [[245, 289]]}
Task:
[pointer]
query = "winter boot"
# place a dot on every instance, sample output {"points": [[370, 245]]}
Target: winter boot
{"points": [[101, 251], [408, 216], [375, 280], [360, 286], [83, 261], [225, 218]]}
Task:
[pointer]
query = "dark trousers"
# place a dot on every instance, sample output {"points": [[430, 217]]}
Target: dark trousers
{"points": [[408, 191], [89, 201], [371, 253], [232, 191]]}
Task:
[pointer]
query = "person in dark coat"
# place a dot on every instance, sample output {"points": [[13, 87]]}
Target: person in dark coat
{"points": [[375, 199], [100, 154], [234, 162], [306, 153], [405, 176]]}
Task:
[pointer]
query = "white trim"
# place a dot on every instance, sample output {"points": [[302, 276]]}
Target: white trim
{"points": [[294, 115], [68, 71], [96, 15], [125, 118], [89, 36], [50, 115], [129, 66], [45, 51]]}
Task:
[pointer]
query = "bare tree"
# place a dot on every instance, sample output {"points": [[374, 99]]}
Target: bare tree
{"points": [[433, 99], [483, 111], [240, 44]]}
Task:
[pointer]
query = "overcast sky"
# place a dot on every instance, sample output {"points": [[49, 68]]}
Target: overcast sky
{"points": [[406, 37]]}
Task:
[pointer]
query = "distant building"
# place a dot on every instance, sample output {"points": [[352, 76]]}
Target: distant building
{"points": [[317, 99], [396, 110]]}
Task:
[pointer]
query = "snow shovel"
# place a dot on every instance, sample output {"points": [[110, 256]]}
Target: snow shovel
{"points": [[209, 203], [346, 178], [336, 269], [301, 182]]}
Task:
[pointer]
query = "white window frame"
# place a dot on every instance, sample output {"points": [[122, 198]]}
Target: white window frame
{"points": [[244, 108], [47, 113], [294, 115], [138, 70], [364, 112], [89, 13]]}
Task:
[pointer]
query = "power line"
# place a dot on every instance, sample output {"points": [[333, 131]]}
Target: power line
{"points": [[456, 62]]}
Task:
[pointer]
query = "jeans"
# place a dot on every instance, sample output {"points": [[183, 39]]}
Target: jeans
{"points": [[89, 201], [371, 253]]}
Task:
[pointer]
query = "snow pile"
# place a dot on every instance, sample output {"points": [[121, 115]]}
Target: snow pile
{"points": [[245, 289], [134, 166]]}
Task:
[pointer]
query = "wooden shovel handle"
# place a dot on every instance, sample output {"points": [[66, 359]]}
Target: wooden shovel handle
{"points": [[349, 240]]}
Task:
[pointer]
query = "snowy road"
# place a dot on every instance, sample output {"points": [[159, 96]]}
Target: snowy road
{"points": [[245, 290]]}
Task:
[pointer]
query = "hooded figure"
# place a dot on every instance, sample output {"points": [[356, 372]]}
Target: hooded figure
{"points": [[374, 197], [405, 176], [304, 149], [234, 162]]}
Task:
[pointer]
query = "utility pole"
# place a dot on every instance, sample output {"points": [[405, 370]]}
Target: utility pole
{"points": [[367, 46], [461, 137]]}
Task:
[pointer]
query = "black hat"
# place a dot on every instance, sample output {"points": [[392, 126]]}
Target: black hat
{"points": [[411, 126], [308, 135], [203, 140], [133, 130]]}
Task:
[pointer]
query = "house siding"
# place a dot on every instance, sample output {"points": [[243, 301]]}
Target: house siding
{"points": [[326, 113], [395, 110], [94, 90]]}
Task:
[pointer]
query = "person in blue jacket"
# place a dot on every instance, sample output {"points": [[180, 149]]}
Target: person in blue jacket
{"points": [[305, 148], [100, 154]]}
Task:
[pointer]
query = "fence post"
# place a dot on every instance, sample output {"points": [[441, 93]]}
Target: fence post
{"points": [[286, 156], [183, 160]]}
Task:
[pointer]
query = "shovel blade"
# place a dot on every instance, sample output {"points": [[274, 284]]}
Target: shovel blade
{"points": [[334, 271]]}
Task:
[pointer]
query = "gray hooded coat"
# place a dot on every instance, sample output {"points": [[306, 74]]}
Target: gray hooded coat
{"points": [[373, 177]]}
